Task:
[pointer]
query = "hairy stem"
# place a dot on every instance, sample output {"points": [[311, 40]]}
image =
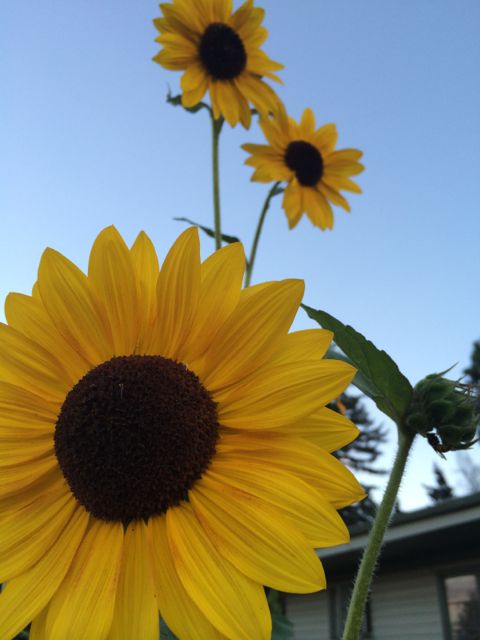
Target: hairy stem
{"points": [[216, 130], [370, 555], [251, 261]]}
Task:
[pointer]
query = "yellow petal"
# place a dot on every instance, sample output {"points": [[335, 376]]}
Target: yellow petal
{"points": [[221, 282], [325, 138], [21, 450], [309, 344], [22, 409], [294, 455], [25, 364], [278, 394], [251, 333], [307, 123], [16, 496], [18, 477], [295, 499], [193, 77], [27, 315], [233, 603], [227, 101], [110, 269], [83, 605], [25, 596], [136, 613], [255, 537], [292, 203], [193, 97], [178, 610], [145, 265], [325, 428], [177, 295], [37, 628], [28, 534], [257, 92], [333, 195], [184, 22], [73, 307]]}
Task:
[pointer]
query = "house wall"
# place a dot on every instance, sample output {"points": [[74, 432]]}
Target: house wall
{"points": [[403, 605], [309, 614], [406, 605]]}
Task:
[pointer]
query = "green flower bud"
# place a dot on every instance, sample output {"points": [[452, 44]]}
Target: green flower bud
{"points": [[443, 411]]}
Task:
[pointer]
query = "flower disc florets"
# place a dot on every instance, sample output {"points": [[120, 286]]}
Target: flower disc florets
{"points": [[222, 52], [134, 435]]}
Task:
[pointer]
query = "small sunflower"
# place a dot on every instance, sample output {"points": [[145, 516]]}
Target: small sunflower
{"points": [[219, 52], [306, 158], [164, 447]]}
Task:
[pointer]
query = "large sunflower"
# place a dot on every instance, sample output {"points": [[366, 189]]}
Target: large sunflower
{"points": [[219, 52], [164, 446], [306, 158]]}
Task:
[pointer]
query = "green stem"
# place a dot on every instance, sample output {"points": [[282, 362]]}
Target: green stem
{"points": [[370, 554], [251, 261], [216, 130]]}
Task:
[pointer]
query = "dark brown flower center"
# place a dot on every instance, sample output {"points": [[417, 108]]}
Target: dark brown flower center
{"points": [[133, 436], [306, 160], [222, 52]]}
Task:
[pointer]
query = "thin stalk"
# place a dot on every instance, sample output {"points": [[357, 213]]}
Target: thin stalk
{"points": [[370, 555], [251, 261], [216, 130]]}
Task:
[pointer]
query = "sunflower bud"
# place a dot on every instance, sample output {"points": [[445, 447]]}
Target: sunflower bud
{"points": [[443, 411]]}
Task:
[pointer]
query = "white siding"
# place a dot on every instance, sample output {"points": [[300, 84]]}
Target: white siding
{"points": [[403, 606], [406, 605], [309, 614]]}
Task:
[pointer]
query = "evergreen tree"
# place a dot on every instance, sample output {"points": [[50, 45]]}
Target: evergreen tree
{"points": [[473, 372], [441, 490], [361, 454]]}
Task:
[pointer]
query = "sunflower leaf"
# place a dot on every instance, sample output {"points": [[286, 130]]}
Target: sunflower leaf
{"points": [[176, 101], [208, 231], [378, 375]]}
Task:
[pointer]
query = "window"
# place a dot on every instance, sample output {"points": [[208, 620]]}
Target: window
{"points": [[463, 603]]}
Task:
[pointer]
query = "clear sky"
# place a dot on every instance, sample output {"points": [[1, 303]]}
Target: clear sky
{"points": [[86, 140]]}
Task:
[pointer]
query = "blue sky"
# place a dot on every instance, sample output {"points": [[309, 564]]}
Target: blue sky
{"points": [[86, 140]]}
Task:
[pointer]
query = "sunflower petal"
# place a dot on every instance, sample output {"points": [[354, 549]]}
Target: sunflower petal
{"points": [[251, 333], [73, 307], [233, 603], [25, 596], [177, 295], [306, 508], [27, 315], [178, 610], [221, 282], [256, 538], [145, 265], [83, 605], [136, 613], [325, 428], [301, 458], [25, 364], [278, 394], [110, 269], [27, 535]]}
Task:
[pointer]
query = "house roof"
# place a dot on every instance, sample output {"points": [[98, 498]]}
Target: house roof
{"points": [[448, 529]]}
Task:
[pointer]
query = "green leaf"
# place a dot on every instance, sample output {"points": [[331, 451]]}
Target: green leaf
{"points": [[378, 375], [176, 101], [208, 231]]}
